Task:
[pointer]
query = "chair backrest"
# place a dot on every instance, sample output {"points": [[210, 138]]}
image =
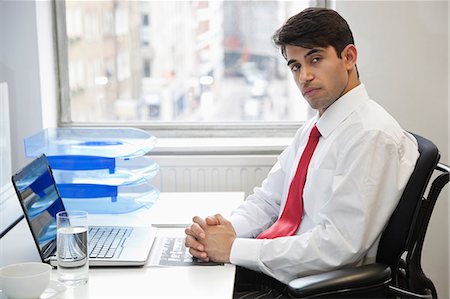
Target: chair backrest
{"points": [[398, 235]]}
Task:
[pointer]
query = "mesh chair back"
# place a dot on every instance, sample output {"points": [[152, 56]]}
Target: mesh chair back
{"points": [[398, 233]]}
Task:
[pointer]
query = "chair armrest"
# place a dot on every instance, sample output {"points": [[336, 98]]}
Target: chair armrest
{"points": [[443, 167], [367, 278]]}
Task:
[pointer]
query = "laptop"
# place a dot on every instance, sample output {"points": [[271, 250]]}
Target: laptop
{"points": [[107, 245]]}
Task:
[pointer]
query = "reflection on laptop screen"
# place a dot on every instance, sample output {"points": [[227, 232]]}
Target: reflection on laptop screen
{"points": [[40, 201]]}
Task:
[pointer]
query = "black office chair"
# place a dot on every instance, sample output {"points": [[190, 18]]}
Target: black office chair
{"points": [[397, 271]]}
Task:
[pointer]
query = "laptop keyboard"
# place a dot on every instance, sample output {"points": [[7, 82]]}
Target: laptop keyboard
{"points": [[104, 241]]}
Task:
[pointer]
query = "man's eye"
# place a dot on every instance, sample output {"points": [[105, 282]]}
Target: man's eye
{"points": [[315, 59], [295, 67]]}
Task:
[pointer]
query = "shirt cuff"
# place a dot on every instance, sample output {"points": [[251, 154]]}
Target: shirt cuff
{"points": [[245, 253]]}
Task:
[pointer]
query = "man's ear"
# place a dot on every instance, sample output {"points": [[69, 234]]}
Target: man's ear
{"points": [[349, 55]]}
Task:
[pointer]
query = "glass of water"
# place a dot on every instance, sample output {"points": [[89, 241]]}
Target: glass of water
{"points": [[71, 248]]}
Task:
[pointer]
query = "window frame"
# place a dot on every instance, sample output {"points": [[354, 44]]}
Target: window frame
{"points": [[160, 129]]}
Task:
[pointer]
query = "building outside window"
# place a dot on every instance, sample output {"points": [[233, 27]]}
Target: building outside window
{"points": [[145, 20], [176, 62], [146, 68]]}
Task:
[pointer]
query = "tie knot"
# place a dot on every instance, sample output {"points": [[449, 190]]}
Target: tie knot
{"points": [[315, 132]]}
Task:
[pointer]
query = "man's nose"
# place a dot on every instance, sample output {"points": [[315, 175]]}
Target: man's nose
{"points": [[305, 75]]}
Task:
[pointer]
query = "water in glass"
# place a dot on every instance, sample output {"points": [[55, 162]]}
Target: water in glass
{"points": [[72, 253]]}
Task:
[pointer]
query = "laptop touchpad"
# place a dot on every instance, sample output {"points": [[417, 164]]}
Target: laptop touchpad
{"points": [[134, 241]]}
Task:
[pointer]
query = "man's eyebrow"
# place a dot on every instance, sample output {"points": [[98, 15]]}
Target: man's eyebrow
{"points": [[310, 52], [291, 61]]}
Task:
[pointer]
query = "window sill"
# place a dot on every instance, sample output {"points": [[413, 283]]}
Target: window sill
{"points": [[212, 138], [221, 146]]}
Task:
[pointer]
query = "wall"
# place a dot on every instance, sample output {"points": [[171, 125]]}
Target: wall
{"points": [[26, 64], [19, 68], [5, 148], [403, 59]]}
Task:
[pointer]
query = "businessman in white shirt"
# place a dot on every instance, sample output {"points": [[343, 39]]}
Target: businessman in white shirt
{"points": [[340, 196]]}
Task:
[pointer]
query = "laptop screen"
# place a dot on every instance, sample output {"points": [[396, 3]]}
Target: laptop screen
{"points": [[40, 201]]}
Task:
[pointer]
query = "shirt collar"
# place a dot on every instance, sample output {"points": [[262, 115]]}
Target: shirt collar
{"points": [[340, 110]]}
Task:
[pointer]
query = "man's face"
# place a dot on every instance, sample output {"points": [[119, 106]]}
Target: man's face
{"points": [[320, 75]]}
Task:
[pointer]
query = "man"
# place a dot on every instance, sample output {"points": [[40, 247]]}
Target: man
{"points": [[326, 201]]}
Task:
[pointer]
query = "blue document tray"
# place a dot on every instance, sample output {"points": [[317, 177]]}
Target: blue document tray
{"points": [[127, 171], [104, 199], [88, 148]]}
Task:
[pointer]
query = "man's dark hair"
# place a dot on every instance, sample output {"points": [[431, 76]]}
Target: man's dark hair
{"points": [[314, 27]]}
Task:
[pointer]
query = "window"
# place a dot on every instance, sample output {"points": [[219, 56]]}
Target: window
{"points": [[145, 20], [176, 63], [146, 68]]}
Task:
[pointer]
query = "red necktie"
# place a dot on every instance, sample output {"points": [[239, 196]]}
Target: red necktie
{"points": [[290, 219]]}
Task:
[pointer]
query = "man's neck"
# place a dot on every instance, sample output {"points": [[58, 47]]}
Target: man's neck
{"points": [[353, 81], [351, 85]]}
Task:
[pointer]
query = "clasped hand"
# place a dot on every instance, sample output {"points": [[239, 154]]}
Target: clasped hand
{"points": [[210, 239]]}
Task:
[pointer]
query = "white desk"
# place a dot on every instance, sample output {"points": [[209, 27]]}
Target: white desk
{"points": [[157, 282], [175, 209]]}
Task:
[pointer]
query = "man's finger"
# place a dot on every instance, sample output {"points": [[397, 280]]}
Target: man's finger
{"points": [[221, 219], [212, 220], [191, 242], [199, 254], [200, 221], [188, 231], [197, 231]]}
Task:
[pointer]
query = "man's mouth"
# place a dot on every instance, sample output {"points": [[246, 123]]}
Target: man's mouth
{"points": [[309, 91]]}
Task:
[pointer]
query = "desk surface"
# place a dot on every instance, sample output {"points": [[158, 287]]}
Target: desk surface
{"points": [[157, 282], [175, 209]]}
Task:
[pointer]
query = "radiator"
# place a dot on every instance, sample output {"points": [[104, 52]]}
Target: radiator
{"points": [[210, 173]]}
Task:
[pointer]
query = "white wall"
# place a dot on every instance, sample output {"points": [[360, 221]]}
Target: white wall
{"points": [[5, 148], [26, 64], [19, 67], [403, 59]]}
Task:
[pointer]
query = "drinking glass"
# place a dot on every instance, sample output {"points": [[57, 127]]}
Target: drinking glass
{"points": [[72, 251]]}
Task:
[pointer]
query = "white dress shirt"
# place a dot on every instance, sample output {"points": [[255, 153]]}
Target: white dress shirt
{"points": [[355, 179]]}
